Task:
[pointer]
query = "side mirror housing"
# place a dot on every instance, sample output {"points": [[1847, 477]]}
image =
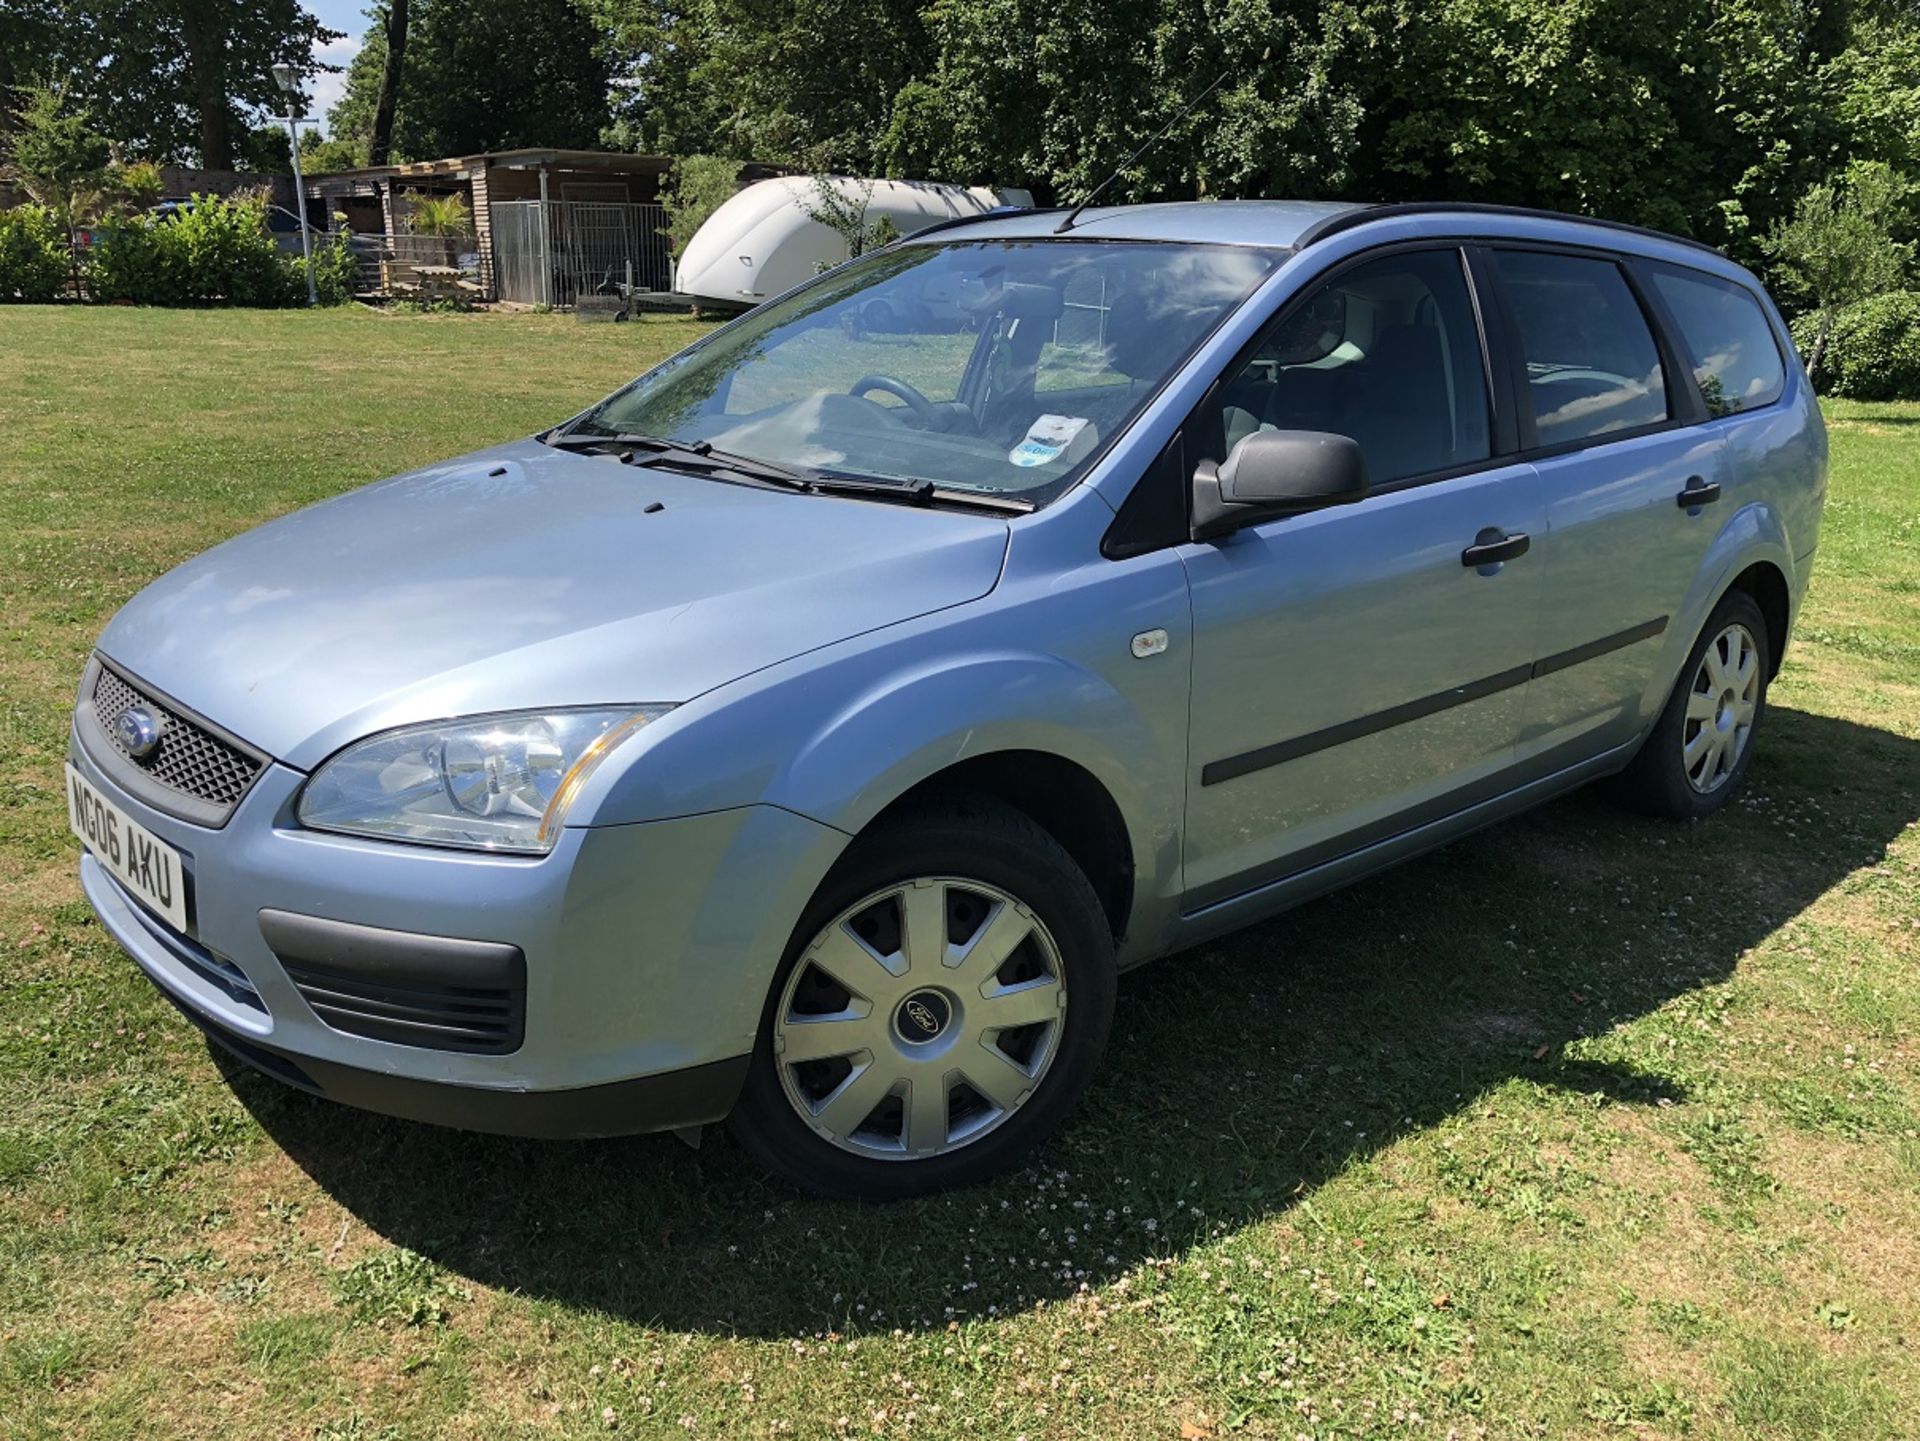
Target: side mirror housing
{"points": [[1274, 473]]}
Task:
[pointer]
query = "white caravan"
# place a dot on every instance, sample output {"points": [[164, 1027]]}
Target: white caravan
{"points": [[765, 240]]}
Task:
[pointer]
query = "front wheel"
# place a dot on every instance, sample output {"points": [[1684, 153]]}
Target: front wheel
{"points": [[1698, 752], [942, 1006]]}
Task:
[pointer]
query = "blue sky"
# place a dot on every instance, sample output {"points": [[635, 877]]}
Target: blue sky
{"points": [[347, 15]]}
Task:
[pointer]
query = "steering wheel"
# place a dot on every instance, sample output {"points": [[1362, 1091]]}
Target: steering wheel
{"points": [[923, 409]]}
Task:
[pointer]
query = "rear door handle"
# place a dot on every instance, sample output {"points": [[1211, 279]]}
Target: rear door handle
{"points": [[1697, 493], [1494, 545]]}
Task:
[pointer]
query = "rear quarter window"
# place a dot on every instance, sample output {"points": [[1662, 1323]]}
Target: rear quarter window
{"points": [[1728, 341]]}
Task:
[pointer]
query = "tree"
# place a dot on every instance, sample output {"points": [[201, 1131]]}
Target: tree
{"points": [[318, 157], [1011, 98], [57, 156], [178, 78], [697, 186], [841, 204], [28, 47], [1837, 248], [808, 83], [476, 78], [380, 145]]}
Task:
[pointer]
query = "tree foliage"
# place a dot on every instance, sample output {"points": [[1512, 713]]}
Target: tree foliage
{"points": [[476, 78], [1838, 247], [168, 79], [54, 153], [1711, 118], [697, 186], [1873, 347]]}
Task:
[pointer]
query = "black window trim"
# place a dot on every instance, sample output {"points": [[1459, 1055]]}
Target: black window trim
{"points": [[1511, 417], [1685, 406], [1201, 420], [1788, 357]]}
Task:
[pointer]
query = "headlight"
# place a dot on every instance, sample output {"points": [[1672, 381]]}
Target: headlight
{"points": [[495, 783]]}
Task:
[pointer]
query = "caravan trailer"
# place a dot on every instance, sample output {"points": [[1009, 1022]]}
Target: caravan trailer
{"points": [[765, 240]]}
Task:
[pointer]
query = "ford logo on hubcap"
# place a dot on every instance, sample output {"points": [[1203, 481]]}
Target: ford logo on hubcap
{"points": [[923, 1016], [138, 731]]}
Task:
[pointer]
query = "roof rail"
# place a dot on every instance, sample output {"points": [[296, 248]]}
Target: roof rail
{"points": [[1392, 210]]}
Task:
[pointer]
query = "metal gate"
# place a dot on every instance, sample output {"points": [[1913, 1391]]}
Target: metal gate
{"points": [[552, 253]]}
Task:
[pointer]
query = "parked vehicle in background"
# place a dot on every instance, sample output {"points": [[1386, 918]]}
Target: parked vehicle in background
{"points": [[765, 239], [812, 731]]}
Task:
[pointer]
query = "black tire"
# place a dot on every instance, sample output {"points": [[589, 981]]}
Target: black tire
{"points": [[972, 840], [1655, 782]]}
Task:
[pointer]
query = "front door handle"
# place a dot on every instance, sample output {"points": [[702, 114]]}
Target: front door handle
{"points": [[1698, 492], [1494, 545]]}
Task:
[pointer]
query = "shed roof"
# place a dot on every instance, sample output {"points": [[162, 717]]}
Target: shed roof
{"points": [[460, 167]]}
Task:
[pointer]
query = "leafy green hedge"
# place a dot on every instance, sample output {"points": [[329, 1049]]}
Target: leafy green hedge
{"points": [[1874, 351], [214, 252], [33, 254]]}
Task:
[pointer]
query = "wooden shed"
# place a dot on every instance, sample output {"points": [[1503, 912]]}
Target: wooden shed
{"points": [[550, 225]]}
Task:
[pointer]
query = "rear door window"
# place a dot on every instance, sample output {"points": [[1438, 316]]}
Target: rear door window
{"points": [[1592, 366], [1729, 343]]}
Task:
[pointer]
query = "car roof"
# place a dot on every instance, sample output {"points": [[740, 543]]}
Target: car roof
{"points": [[1222, 222], [1296, 224]]}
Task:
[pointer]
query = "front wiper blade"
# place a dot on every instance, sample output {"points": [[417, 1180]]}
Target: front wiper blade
{"points": [[922, 492], [583, 439], [689, 455], [703, 457]]}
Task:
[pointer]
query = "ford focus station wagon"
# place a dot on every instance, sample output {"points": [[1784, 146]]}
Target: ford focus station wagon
{"points": [[809, 733]]}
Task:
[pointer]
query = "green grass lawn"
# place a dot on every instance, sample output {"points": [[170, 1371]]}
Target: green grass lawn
{"points": [[1586, 1126]]}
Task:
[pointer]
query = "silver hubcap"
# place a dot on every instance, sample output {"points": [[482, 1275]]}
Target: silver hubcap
{"points": [[1720, 709], [920, 1018]]}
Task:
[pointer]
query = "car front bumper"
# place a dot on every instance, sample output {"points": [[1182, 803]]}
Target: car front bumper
{"points": [[648, 953]]}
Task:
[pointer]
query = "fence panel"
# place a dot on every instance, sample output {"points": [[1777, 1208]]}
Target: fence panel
{"points": [[553, 254], [519, 251]]}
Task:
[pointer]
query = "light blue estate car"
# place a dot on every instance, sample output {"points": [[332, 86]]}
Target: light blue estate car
{"points": [[809, 733]]}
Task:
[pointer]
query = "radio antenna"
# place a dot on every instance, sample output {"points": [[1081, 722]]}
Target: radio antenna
{"points": [[1161, 134]]}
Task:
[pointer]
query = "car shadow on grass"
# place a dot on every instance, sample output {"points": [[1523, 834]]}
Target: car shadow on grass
{"points": [[1241, 1075]]}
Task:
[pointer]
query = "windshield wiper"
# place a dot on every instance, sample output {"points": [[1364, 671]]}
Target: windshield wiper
{"points": [[921, 492], [700, 455], [695, 455]]}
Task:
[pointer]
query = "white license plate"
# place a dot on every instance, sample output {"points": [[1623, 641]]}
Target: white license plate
{"points": [[138, 859]]}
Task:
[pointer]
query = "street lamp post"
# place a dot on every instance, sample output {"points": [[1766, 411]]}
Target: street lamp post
{"points": [[288, 82]]}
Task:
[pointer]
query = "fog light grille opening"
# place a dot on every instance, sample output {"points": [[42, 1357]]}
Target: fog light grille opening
{"points": [[444, 1018]]}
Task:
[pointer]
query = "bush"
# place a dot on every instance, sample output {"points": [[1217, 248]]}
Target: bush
{"points": [[213, 252], [336, 270], [1874, 351], [33, 254], [699, 185]]}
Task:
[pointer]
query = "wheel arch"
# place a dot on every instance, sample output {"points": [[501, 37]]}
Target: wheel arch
{"points": [[1767, 584], [1062, 797]]}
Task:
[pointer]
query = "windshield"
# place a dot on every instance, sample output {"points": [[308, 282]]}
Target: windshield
{"points": [[998, 367]]}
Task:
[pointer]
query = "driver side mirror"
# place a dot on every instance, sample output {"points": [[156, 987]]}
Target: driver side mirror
{"points": [[1273, 473]]}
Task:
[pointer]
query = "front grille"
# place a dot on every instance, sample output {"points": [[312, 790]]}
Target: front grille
{"points": [[444, 1018], [191, 760]]}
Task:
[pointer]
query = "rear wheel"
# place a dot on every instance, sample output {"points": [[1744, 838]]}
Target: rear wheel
{"points": [[1698, 752], [941, 1008]]}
